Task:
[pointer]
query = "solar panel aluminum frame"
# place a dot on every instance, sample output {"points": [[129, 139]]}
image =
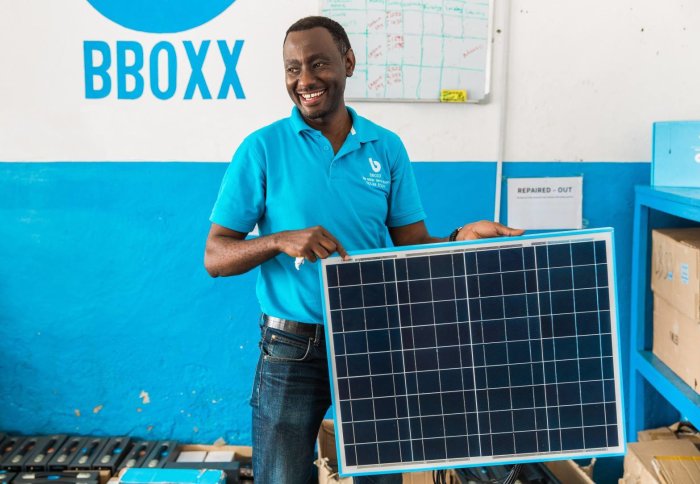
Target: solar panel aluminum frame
{"points": [[550, 239]]}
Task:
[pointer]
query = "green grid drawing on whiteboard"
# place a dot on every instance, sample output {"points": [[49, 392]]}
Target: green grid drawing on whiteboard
{"points": [[409, 50]]}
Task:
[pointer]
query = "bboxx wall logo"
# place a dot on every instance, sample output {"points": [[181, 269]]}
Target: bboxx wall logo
{"points": [[130, 68]]}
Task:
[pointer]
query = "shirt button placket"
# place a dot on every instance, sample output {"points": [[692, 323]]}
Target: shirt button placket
{"points": [[330, 156]]}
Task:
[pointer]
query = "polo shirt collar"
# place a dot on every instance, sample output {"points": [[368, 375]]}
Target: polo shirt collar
{"points": [[361, 128]]}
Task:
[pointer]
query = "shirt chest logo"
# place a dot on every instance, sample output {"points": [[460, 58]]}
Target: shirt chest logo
{"points": [[374, 177]]}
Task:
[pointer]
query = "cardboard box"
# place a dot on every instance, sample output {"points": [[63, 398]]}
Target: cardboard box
{"points": [[423, 478], [675, 264], [676, 154], [676, 338], [327, 462], [662, 433], [570, 472], [678, 430], [638, 461], [677, 469], [241, 453], [234, 460]]}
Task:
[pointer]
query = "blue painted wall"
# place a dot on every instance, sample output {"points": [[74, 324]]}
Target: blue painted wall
{"points": [[103, 294]]}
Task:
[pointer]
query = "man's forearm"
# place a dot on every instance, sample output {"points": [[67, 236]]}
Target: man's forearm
{"points": [[228, 256]]}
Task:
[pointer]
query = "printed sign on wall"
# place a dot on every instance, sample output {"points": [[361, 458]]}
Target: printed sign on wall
{"points": [[545, 203], [157, 67], [139, 80]]}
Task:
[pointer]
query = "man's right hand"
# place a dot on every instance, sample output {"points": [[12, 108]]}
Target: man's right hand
{"points": [[312, 243], [229, 253]]}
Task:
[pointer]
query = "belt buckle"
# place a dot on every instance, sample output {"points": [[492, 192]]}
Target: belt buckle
{"points": [[290, 326], [275, 322]]}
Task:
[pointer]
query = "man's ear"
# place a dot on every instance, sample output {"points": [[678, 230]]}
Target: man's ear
{"points": [[349, 63]]}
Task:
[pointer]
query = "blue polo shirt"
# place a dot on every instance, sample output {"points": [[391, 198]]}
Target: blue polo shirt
{"points": [[285, 177]]}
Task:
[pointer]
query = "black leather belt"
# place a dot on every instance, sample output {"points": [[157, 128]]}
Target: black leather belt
{"points": [[289, 326]]}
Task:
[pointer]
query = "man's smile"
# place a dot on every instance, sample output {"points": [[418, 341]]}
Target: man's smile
{"points": [[311, 97]]}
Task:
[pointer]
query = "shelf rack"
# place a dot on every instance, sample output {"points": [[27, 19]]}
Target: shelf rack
{"points": [[657, 396]]}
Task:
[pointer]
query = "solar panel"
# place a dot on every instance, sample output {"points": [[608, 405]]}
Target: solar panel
{"points": [[484, 352]]}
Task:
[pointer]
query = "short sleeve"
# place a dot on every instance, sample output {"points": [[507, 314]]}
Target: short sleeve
{"points": [[241, 200], [405, 206]]}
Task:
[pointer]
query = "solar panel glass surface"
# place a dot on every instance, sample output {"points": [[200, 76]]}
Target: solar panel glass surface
{"points": [[473, 353]]}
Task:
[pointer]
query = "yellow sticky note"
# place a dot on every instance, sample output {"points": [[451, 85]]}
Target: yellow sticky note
{"points": [[453, 96]]}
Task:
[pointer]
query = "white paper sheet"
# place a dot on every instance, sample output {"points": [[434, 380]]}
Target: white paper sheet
{"points": [[545, 203]]}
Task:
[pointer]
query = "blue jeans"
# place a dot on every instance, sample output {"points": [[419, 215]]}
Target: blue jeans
{"points": [[290, 397]]}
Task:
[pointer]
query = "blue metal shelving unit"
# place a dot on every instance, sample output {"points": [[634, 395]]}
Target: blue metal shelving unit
{"points": [[657, 396]]}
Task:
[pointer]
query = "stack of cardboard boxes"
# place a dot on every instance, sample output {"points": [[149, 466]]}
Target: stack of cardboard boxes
{"points": [[667, 455], [327, 462], [566, 471], [676, 285]]}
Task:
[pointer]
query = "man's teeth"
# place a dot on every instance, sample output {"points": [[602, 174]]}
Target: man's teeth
{"points": [[312, 95]]}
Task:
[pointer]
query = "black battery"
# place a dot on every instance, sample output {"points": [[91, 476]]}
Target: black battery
{"points": [[44, 450], [9, 446], [112, 454], [136, 457], [162, 452], [50, 477], [66, 453], [15, 453], [6, 476], [15, 460], [85, 457], [246, 472]]}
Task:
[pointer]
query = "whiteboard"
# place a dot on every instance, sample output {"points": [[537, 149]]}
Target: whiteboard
{"points": [[410, 50]]}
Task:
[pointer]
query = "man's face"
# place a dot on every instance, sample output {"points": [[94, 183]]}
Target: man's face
{"points": [[315, 73]]}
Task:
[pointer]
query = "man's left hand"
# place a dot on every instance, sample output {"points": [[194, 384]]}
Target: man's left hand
{"points": [[485, 229]]}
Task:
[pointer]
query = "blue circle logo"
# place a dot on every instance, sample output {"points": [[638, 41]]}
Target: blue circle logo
{"points": [[159, 17]]}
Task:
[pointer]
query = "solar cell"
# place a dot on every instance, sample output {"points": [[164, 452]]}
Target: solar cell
{"points": [[491, 351]]}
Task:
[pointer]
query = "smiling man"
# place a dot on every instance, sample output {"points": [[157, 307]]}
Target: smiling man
{"points": [[323, 181]]}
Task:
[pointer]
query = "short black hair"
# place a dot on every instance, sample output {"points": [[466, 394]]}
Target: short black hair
{"points": [[340, 37]]}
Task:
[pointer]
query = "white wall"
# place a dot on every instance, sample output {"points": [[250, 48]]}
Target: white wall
{"points": [[585, 81]]}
